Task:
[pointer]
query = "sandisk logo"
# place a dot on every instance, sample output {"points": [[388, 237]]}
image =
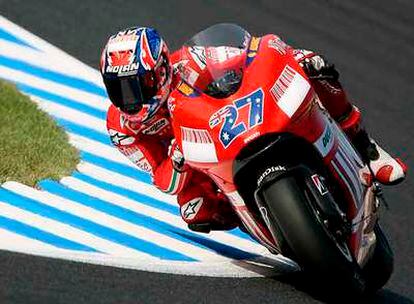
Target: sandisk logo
{"points": [[268, 171]]}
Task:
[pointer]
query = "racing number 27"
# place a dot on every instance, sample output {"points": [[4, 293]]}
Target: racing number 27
{"points": [[229, 131]]}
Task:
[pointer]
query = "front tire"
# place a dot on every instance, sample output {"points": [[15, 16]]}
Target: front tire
{"points": [[315, 249]]}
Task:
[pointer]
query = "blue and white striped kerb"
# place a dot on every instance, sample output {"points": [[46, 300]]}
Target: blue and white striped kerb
{"points": [[107, 212]]}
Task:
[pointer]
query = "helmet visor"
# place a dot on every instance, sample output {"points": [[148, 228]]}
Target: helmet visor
{"points": [[130, 93]]}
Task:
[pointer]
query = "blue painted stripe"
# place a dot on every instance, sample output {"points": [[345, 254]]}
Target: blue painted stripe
{"points": [[10, 37], [116, 167], [139, 197], [142, 220], [42, 236], [83, 131], [71, 103], [243, 235], [91, 227], [52, 76], [147, 200]]}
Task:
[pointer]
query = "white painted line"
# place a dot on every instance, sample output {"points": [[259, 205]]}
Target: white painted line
{"points": [[110, 221], [261, 267], [125, 182], [52, 51], [14, 241], [42, 60], [136, 186], [72, 115], [99, 149], [69, 232], [161, 215], [80, 96]]}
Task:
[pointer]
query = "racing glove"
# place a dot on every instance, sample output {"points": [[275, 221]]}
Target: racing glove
{"points": [[317, 67]]}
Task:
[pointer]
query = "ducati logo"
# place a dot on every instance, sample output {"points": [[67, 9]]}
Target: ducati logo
{"points": [[317, 181]]}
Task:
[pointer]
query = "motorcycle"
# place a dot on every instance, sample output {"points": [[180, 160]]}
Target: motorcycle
{"points": [[246, 115]]}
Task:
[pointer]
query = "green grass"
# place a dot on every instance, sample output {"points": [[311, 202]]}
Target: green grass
{"points": [[32, 146]]}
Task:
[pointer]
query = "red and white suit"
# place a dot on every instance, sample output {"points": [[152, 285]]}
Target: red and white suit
{"points": [[147, 145]]}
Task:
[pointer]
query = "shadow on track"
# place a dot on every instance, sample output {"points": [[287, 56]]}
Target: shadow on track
{"points": [[309, 286]]}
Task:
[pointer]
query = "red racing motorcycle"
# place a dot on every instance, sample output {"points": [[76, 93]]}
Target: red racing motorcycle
{"points": [[246, 115]]}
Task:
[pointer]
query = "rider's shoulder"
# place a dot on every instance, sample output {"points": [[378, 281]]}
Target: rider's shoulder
{"points": [[113, 116]]}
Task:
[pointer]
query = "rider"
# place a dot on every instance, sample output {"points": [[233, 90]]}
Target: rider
{"points": [[138, 73]]}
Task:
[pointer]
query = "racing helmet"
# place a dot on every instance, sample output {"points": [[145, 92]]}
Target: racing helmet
{"points": [[136, 71]]}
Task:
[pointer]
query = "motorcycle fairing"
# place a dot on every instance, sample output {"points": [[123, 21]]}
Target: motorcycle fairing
{"points": [[286, 103]]}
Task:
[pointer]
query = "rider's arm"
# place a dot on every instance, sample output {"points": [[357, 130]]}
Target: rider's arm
{"points": [[167, 175], [149, 154], [325, 81], [315, 65]]}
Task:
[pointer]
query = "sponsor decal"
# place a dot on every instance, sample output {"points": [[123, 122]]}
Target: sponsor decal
{"points": [[120, 139], [219, 116], [156, 127], [329, 87], [121, 53], [123, 69], [235, 199], [326, 139], [189, 75], [300, 54], [325, 142], [198, 145], [318, 182], [185, 89], [135, 155], [283, 82], [289, 90], [127, 35], [198, 53], [348, 165], [251, 137], [254, 46], [190, 209], [278, 44], [222, 53], [269, 171], [229, 114], [171, 104], [199, 136]]}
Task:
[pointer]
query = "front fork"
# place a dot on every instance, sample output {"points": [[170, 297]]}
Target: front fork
{"points": [[374, 200]]}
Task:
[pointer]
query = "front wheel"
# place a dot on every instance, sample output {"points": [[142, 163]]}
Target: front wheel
{"points": [[313, 246]]}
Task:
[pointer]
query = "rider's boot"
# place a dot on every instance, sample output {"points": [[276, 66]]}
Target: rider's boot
{"points": [[386, 169]]}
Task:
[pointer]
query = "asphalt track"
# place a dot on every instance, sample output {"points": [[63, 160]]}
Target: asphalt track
{"points": [[371, 43]]}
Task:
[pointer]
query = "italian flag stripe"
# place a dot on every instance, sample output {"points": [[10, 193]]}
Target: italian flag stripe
{"points": [[172, 188], [177, 182]]}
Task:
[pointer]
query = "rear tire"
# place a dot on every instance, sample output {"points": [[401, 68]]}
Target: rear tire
{"points": [[315, 249]]}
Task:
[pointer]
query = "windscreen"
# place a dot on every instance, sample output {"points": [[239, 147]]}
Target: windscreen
{"points": [[213, 60]]}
